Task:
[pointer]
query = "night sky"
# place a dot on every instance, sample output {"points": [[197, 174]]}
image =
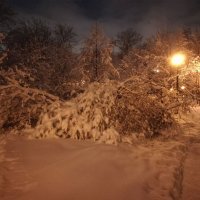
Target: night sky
{"points": [[146, 16]]}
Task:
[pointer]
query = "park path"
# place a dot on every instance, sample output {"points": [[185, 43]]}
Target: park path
{"points": [[191, 180], [191, 175]]}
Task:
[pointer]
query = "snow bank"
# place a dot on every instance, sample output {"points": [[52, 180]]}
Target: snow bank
{"points": [[190, 122]]}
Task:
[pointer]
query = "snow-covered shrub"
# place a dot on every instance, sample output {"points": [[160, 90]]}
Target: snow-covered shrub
{"points": [[105, 112], [140, 109], [71, 89], [20, 105], [86, 116], [45, 53], [191, 79], [152, 65]]}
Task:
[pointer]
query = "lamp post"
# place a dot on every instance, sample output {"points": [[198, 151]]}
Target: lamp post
{"points": [[177, 60]]}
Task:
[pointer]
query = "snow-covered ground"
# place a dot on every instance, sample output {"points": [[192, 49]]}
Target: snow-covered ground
{"points": [[191, 181], [2, 158], [191, 176], [66, 169], [58, 169]]}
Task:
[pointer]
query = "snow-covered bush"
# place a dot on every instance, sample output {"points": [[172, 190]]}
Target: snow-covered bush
{"points": [[152, 64], [143, 108], [105, 112], [191, 79], [20, 105], [87, 116], [45, 54]]}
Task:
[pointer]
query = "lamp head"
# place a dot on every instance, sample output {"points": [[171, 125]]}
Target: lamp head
{"points": [[178, 59]]}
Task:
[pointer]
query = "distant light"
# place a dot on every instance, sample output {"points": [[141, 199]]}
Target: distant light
{"points": [[156, 70], [183, 87], [171, 89], [178, 59]]}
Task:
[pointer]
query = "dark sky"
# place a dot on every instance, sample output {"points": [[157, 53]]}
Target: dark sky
{"points": [[146, 16]]}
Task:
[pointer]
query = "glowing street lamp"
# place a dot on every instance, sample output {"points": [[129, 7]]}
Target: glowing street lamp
{"points": [[178, 60]]}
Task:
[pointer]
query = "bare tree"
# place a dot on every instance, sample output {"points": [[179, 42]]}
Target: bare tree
{"points": [[3, 54], [65, 35], [6, 13], [30, 32], [193, 37], [126, 40], [34, 47]]}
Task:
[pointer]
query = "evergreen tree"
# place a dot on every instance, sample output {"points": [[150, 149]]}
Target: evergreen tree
{"points": [[96, 57]]}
